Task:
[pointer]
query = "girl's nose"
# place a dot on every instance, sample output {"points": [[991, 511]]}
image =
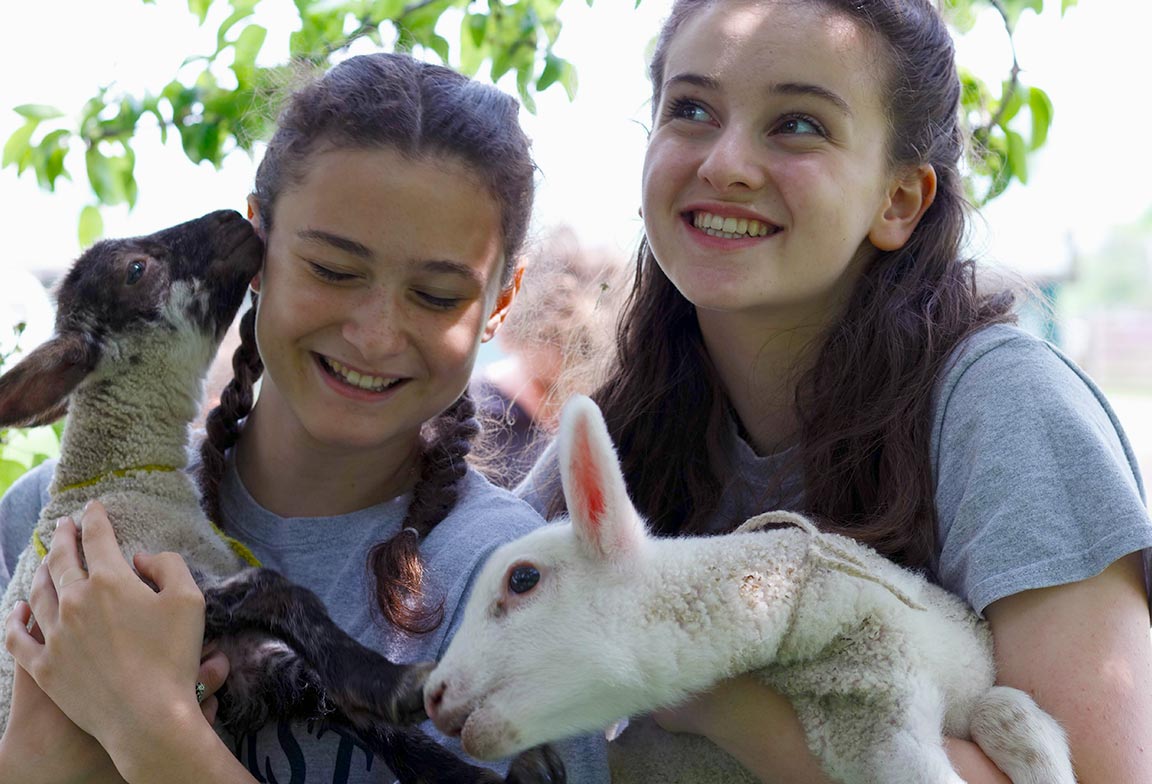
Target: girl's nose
{"points": [[735, 161], [375, 327]]}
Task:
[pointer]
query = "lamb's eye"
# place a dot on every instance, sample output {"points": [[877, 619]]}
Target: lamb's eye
{"points": [[135, 272], [523, 579]]}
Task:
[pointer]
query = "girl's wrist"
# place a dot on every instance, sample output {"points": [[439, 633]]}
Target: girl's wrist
{"points": [[164, 747]]}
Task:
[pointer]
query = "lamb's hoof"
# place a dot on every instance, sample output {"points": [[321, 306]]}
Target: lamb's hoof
{"points": [[407, 703], [539, 765]]}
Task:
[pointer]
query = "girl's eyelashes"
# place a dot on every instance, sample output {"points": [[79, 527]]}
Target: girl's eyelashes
{"points": [[325, 273], [790, 124], [686, 109], [438, 302], [799, 125]]}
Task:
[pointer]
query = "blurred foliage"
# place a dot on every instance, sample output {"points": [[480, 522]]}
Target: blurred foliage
{"points": [[22, 449], [999, 116], [1116, 276], [215, 113]]}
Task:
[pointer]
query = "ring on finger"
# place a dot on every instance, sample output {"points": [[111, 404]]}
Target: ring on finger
{"points": [[201, 690]]}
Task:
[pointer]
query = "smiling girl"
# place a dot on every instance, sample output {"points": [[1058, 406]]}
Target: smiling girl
{"points": [[393, 200], [805, 334]]}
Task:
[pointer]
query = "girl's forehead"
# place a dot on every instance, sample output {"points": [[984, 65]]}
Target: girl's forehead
{"points": [[780, 40], [395, 206]]}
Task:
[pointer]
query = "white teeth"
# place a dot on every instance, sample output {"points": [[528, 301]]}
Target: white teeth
{"points": [[729, 228], [372, 383]]}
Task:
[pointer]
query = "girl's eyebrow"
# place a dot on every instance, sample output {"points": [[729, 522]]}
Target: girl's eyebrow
{"points": [[804, 88], [336, 241], [444, 266], [784, 88]]}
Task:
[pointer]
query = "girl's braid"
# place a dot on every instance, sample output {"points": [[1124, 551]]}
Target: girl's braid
{"points": [[396, 562], [223, 422]]}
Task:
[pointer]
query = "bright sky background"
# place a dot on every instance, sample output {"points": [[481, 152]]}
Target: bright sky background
{"points": [[1095, 172]]}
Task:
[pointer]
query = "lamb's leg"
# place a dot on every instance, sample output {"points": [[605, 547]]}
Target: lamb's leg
{"points": [[417, 759], [1024, 741], [879, 741], [267, 680], [360, 682]]}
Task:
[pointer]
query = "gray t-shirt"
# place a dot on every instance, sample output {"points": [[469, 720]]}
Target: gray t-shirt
{"points": [[1036, 483], [328, 556], [1036, 486]]}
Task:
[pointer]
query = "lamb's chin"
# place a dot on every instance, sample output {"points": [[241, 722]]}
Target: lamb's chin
{"points": [[486, 736]]}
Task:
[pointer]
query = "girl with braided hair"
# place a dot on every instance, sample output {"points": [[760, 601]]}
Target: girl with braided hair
{"points": [[393, 200]]}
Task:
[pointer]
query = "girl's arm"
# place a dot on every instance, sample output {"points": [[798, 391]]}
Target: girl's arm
{"points": [[759, 728], [120, 660], [1083, 651]]}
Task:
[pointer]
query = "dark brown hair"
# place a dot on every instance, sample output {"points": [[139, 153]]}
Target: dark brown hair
{"points": [[865, 406], [422, 111]]}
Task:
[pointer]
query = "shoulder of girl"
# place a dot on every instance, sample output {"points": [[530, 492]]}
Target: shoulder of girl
{"points": [[1003, 358]]}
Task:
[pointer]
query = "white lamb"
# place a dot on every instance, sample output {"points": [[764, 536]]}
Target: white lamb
{"points": [[578, 624]]}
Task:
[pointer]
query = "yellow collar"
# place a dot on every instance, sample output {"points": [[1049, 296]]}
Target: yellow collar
{"points": [[118, 473], [235, 545]]}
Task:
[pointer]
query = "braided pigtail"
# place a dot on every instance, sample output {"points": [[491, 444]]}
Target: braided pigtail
{"points": [[223, 423], [396, 562]]}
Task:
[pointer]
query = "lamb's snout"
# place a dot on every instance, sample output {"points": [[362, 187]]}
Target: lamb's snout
{"points": [[448, 718], [434, 701]]}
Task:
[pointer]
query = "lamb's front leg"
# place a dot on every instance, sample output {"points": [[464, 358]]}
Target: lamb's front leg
{"points": [[417, 759], [362, 684]]}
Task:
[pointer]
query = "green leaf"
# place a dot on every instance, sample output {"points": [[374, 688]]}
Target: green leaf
{"points": [[10, 471], [1040, 106], [53, 148], [439, 45], [1012, 103], [523, 80], [553, 66], [38, 111], [199, 8], [1018, 156], [91, 226], [1065, 5], [388, 9], [248, 45], [18, 148], [476, 25]]}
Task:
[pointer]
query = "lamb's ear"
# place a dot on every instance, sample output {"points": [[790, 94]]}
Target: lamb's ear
{"points": [[602, 514], [35, 391]]}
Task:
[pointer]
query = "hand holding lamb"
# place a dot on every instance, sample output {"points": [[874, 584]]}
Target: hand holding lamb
{"points": [[138, 323], [575, 625]]}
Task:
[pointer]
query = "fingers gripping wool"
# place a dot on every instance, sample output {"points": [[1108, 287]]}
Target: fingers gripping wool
{"points": [[591, 619]]}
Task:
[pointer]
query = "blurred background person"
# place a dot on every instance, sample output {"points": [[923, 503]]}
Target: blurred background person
{"points": [[553, 344]]}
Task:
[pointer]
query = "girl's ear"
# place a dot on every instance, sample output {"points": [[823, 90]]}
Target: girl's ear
{"points": [[254, 219], [503, 306], [908, 198], [254, 216], [603, 518]]}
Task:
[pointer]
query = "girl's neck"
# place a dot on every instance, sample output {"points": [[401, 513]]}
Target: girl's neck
{"points": [[293, 476], [759, 367]]}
